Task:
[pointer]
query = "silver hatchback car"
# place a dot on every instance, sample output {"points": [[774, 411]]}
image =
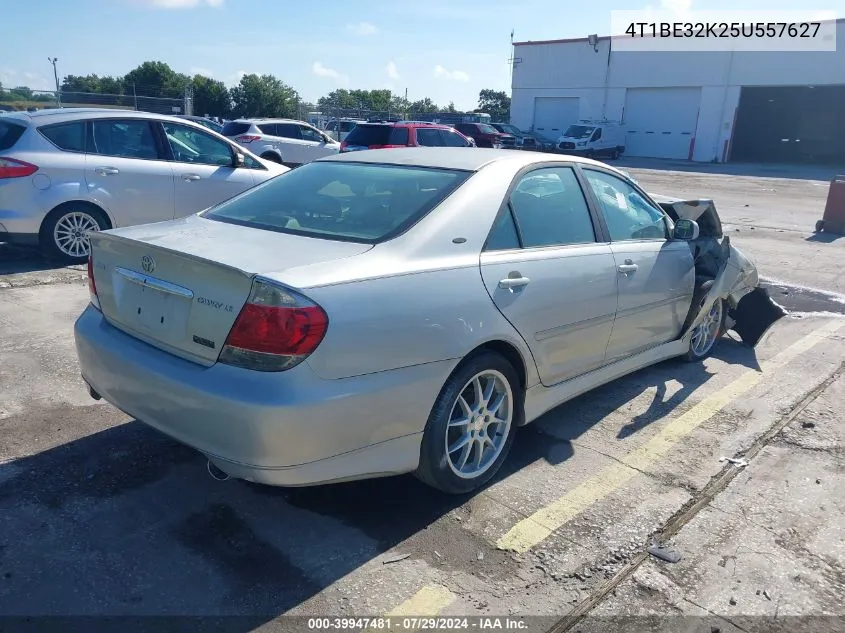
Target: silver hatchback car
{"points": [[67, 172], [403, 310]]}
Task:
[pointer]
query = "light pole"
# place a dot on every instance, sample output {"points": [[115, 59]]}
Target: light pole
{"points": [[53, 61]]}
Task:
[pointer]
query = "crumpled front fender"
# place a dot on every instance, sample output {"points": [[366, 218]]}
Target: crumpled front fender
{"points": [[751, 312]]}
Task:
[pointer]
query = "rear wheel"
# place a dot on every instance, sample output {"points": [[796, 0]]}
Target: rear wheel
{"points": [[64, 234], [471, 427], [819, 226], [614, 154]]}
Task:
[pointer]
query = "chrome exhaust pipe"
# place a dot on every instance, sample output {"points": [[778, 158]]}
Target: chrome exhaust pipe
{"points": [[215, 472]]}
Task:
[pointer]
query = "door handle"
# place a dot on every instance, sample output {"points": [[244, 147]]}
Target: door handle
{"points": [[191, 177], [509, 283], [107, 171], [627, 269]]}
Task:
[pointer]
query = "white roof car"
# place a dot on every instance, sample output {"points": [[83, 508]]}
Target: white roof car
{"points": [[66, 172], [284, 141]]}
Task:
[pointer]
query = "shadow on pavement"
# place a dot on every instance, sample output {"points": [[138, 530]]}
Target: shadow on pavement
{"points": [[127, 522], [824, 238], [21, 259]]}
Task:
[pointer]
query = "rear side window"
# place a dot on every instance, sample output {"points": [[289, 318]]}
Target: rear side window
{"points": [[67, 136], [10, 132], [129, 138], [429, 137], [234, 129], [368, 135], [270, 129], [347, 126], [356, 202], [453, 140]]}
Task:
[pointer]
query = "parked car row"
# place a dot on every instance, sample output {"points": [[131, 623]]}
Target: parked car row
{"points": [[67, 172]]}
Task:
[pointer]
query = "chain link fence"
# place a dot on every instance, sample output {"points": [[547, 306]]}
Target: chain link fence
{"points": [[41, 99]]}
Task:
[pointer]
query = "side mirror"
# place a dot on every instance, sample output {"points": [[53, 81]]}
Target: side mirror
{"points": [[686, 230], [239, 159]]}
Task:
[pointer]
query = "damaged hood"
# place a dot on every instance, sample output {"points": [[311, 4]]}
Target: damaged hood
{"points": [[702, 211]]}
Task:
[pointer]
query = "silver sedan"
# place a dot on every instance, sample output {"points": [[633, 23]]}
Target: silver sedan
{"points": [[403, 310]]}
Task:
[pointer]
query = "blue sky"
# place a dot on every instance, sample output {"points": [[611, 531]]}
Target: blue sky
{"points": [[446, 50]]}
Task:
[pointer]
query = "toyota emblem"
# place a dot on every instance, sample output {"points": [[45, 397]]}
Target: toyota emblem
{"points": [[148, 264]]}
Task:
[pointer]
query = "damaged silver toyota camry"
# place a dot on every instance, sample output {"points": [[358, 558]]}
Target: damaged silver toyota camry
{"points": [[403, 310]]}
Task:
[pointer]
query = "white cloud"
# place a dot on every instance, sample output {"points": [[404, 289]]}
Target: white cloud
{"points": [[392, 72], [679, 7], [329, 73], [180, 4], [196, 70], [452, 75], [11, 78], [362, 28]]}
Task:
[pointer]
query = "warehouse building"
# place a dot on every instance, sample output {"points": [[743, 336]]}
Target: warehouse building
{"points": [[738, 106]]}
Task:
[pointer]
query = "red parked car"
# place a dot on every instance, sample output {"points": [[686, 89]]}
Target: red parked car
{"points": [[487, 136], [385, 134]]}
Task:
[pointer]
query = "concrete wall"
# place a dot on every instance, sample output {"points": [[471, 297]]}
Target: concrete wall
{"points": [[600, 79]]}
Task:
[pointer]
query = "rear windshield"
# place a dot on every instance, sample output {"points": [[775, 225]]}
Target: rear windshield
{"points": [[377, 135], [10, 132], [233, 129], [355, 202]]}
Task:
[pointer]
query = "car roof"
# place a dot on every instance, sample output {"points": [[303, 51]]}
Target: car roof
{"points": [[407, 124], [60, 115], [268, 120], [460, 158]]}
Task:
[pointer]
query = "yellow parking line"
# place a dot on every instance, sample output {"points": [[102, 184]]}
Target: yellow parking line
{"points": [[428, 601], [532, 530]]}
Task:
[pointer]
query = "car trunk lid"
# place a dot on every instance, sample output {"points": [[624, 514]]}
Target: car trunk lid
{"points": [[180, 285]]}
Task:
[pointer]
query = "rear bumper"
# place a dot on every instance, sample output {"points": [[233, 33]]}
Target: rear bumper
{"points": [[290, 428]]}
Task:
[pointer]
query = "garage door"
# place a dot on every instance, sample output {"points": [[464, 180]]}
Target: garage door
{"points": [[661, 122], [552, 115]]}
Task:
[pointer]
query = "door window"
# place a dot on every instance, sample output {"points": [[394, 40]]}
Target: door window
{"points": [[190, 145], [549, 209], [628, 214], [596, 134], [124, 138], [269, 129], [310, 134], [429, 137], [288, 130]]}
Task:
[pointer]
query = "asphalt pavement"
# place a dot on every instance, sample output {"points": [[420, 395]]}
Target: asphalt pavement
{"points": [[102, 516]]}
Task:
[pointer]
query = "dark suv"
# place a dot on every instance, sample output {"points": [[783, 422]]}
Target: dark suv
{"points": [[486, 135], [385, 134]]}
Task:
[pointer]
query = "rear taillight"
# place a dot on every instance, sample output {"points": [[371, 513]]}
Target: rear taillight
{"points": [[343, 146], [11, 168], [276, 329], [386, 146], [92, 285], [247, 138]]}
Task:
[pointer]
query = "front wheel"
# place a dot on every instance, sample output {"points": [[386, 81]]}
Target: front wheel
{"points": [[707, 333], [471, 427], [65, 232]]}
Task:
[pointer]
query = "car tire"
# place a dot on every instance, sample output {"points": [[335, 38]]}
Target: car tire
{"points": [[710, 330], [275, 158], [478, 447], [61, 232], [614, 154]]}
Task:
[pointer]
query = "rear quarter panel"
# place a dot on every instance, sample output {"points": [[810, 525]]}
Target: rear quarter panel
{"points": [[399, 321]]}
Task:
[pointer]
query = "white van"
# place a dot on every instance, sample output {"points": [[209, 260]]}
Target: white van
{"points": [[593, 139]]}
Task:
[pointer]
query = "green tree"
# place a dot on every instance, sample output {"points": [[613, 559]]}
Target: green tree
{"points": [[423, 105], [496, 103], [211, 97], [21, 93], [264, 96], [451, 107], [340, 99], [156, 79]]}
